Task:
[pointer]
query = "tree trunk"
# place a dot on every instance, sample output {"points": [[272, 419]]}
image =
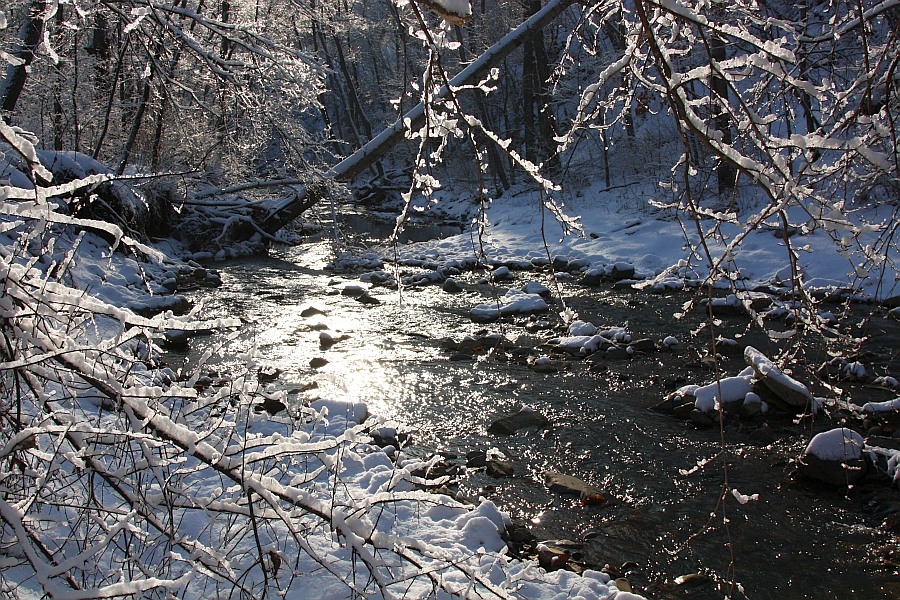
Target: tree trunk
{"points": [[495, 160], [30, 34], [135, 126], [373, 151], [282, 212], [725, 171]]}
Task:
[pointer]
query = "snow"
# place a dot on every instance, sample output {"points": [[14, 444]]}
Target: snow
{"points": [[459, 8], [880, 407], [619, 231], [513, 302], [725, 391], [582, 328], [836, 445]]}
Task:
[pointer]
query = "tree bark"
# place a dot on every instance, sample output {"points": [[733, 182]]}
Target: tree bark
{"points": [[16, 75], [725, 171]]}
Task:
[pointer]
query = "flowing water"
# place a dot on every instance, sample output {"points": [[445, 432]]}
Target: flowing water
{"points": [[798, 540]]}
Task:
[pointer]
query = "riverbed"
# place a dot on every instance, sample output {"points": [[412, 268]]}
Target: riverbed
{"points": [[663, 525]]}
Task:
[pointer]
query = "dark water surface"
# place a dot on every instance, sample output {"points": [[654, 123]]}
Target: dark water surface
{"points": [[665, 520]]}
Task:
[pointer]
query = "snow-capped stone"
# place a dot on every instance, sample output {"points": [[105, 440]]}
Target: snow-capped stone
{"points": [[513, 302], [582, 328], [790, 391], [834, 457]]}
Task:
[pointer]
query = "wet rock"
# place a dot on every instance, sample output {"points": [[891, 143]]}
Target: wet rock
{"points": [[622, 585], [729, 347], [551, 557], [751, 409], [672, 344], [560, 263], [476, 459], [317, 362], [368, 299], [578, 264], [535, 287], [270, 406], [478, 344], [842, 369], [389, 437], [730, 306], [884, 451], [268, 373], [353, 290], [429, 278], [666, 407], [513, 302], [502, 274], [544, 364], [451, 286], [311, 311], [617, 353], [519, 534], [523, 419], [499, 468], [683, 410], [836, 473], [692, 580], [593, 277], [378, 278], [179, 305], [569, 485], [177, 339], [622, 271], [704, 419], [763, 435], [643, 345], [326, 340]]}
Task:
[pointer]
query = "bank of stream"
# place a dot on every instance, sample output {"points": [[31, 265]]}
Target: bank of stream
{"points": [[662, 525]]}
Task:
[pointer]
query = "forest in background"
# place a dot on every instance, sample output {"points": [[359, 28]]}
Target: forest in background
{"points": [[789, 95]]}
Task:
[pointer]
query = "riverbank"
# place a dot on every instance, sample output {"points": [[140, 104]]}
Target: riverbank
{"points": [[631, 226]]}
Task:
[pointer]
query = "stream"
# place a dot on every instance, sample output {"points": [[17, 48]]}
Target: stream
{"points": [[798, 540]]}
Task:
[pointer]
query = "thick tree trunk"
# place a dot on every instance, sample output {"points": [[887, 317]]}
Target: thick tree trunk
{"points": [[16, 75]]}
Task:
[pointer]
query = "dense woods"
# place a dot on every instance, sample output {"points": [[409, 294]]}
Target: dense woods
{"points": [[789, 96]]}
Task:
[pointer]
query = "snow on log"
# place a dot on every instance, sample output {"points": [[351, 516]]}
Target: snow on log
{"points": [[455, 12], [378, 146]]}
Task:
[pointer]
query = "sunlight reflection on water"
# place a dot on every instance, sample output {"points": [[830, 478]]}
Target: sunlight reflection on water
{"points": [[603, 432]]}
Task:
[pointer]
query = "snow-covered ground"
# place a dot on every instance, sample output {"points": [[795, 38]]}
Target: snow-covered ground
{"points": [[374, 513], [621, 227]]}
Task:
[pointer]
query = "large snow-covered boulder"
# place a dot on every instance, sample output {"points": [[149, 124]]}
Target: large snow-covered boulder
{"points": [[834, 457]]}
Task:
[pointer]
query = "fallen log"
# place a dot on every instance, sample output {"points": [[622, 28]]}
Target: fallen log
{"points": [[282, 212]]}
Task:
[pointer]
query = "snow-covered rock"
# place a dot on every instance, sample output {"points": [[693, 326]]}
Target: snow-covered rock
{"points": [[788, 390], [513, 302], [834, 457]]}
